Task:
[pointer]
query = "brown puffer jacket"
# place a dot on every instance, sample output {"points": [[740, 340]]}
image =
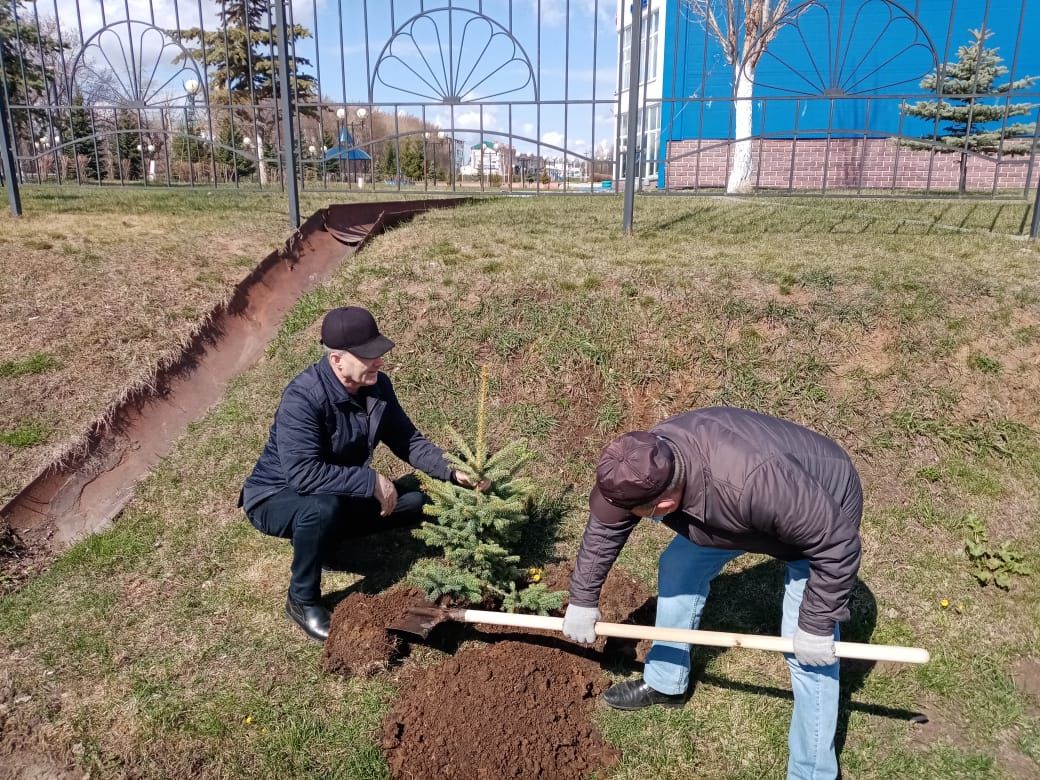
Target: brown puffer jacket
{"points": [[758, 484]]}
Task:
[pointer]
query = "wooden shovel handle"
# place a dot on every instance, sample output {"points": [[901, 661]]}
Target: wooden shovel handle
{"points": [[776, 644]]}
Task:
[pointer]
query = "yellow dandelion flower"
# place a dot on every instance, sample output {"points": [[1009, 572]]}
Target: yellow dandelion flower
{"points": [[944, 603]]}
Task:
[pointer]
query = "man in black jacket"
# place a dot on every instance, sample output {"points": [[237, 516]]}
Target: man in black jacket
{"points": [[730, 481], [314, 482]]}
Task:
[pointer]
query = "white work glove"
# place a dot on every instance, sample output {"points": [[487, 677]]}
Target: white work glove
{"points": [[813, 649], [579, 623]]}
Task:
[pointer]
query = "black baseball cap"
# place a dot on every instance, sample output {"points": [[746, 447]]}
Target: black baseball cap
{"points": [[353, 329], [633, 470]]}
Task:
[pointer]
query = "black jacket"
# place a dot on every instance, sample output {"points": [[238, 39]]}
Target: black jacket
{"points": [[758, 484], [322, 439]]}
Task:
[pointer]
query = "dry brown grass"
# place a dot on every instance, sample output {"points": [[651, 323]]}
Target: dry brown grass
{"points": [[98, 290]]}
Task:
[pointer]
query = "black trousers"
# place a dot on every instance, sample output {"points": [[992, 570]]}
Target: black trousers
{"points": [[318, 524]]}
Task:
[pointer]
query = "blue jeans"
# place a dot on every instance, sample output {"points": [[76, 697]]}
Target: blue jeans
{"points": [[684, 577]]}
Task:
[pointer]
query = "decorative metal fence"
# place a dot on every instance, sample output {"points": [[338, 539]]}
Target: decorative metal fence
{"points": [[824, 97]]}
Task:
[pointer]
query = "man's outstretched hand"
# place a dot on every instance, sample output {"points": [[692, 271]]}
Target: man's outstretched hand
{"points": [[579, 623], [386, 494], [464, 480]]}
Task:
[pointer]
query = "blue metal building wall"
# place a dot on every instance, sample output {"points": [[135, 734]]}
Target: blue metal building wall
{"points": [[842, 69]]}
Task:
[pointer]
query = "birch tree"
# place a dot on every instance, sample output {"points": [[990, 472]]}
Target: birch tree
{"points": [[744, 29]]}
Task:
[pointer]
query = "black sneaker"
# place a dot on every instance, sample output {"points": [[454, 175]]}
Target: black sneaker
{"points": [[312, 618], [636, 694]]}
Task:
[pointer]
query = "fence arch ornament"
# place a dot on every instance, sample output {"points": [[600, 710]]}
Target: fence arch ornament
{"points": [[147, 67], [453, 55], [851, 46]]}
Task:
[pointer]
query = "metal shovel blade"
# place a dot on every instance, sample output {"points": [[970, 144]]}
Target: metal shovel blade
{"points": [[420, 621]]}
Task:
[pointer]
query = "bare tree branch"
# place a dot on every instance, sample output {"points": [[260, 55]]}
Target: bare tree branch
{"points": [[758, 18], [705, 11]]}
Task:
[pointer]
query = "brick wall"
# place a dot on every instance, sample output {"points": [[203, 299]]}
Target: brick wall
{"points": [[847, 163]]}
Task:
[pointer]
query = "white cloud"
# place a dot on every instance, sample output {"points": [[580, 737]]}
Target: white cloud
{"points": [[553, 138], [528, 129], [607, 9], [152, 51], [471, 120]]}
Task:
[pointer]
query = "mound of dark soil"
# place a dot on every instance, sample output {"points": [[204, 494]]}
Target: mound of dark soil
{"points": [[519, 706], [506, 710], [359, 644]]}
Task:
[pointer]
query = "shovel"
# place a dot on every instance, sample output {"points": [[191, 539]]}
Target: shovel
{"points": [[420, 621]]}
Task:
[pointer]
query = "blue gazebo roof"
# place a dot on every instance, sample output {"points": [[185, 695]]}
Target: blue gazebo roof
{"points": [[345, 149]]}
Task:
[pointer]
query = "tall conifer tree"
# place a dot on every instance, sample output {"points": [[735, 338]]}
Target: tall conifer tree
{"points": [[975, 109], [128, 139], [85, 145], [25, 51], [243, 67]]}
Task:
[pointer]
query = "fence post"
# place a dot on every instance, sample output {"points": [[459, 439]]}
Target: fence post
{"points": [[285, 106], [10, 167], [1034, 228], [633, 114]]}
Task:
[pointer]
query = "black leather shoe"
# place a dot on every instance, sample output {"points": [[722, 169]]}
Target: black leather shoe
{"points": [[636, 694], [312, 618]]}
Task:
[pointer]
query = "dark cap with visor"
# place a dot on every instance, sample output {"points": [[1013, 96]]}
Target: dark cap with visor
{"points": [[633, 470], [353, 329]]}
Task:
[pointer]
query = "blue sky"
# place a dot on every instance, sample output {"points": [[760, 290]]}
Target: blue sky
{"points": [[502, 53], [548, 43]]}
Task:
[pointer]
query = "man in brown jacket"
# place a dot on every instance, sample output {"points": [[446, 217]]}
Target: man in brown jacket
{"points": [[730, 481]]}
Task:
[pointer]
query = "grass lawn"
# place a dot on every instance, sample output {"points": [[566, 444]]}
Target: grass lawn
{"points": [[908, 332], [98, 286]]}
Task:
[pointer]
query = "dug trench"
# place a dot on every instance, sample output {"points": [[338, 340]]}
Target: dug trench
{"points": [[501, 703], [73, 498], [531, 694]]}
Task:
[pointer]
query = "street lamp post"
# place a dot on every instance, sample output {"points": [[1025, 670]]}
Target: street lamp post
{"points": [[450, 157], [247, 144], [140, 152], [354, 126], [147, 152], [57, 157], [191, 88], [361, 115], [483, 165], [501, 153], [341, 116], [42, 164], [425, 167]]}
